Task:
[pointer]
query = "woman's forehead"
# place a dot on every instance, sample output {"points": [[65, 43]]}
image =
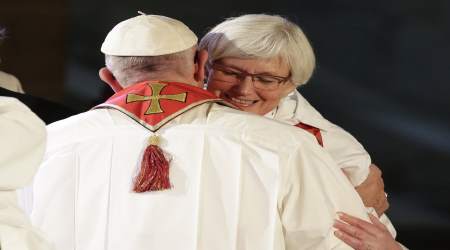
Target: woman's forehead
{"points": [[274, 65]]}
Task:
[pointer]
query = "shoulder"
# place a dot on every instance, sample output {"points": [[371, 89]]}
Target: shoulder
{"points": [[91, 117], [12, 110], [294, 148], [307, 114], [22, 143], [93, 124], [10, 82], [11, 104], [77, 128], [258, 129], [304, 112]]}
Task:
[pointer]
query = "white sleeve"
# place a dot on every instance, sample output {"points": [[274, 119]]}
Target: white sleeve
{"points": [[402, 246], [315, 190], [22, 144], [16, 231], [347, 152], [10, 82]]}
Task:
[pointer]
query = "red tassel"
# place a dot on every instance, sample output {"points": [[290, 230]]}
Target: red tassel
{"points": [[154, 174]]}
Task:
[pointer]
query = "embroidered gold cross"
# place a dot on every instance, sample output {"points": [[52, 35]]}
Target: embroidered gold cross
{"points": [[155, 107]]}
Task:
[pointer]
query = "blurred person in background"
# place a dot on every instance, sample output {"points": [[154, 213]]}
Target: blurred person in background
{"points": [[48, 111], [8, 81], [22, 145]]}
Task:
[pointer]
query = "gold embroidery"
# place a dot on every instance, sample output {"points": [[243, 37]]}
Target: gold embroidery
{"points": [[155, 107]]}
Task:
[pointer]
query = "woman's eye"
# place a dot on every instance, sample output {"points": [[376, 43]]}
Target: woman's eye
{"points": [[266, 80], [231, 73]]}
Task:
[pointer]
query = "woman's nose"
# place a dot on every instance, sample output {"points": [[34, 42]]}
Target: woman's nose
{"points": [[245, 86]]}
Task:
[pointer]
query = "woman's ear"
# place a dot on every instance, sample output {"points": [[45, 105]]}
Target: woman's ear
{"points": [[201, 60], [288, 88], [108, 77]]}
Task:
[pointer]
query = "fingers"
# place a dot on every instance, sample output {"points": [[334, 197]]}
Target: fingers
{"points": [[376, 222], [362, 235], [351, 231], [371, 190], [349, 240], [375, 170], [382, 206], [382, 203], [360, 226]]}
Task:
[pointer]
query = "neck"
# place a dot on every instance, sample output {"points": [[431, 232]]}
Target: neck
{"points": [[166, 76]]}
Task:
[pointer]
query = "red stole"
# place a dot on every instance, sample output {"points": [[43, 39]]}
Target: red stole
{"points": [[153, 104], [313, 130]]}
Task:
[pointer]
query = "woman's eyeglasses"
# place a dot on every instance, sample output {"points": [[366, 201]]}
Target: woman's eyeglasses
{"points": [[260, 81]]}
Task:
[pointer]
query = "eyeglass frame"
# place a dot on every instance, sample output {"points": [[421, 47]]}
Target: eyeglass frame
{"points": [[240, 75]]}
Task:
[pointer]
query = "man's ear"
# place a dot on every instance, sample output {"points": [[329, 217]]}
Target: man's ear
{"points": [[202, 59], [108, 77]]}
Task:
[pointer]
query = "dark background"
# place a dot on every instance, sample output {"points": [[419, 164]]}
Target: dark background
{"points": [[382, 74]]}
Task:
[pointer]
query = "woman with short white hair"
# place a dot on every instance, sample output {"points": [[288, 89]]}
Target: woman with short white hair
{"points": [[256, 62]]}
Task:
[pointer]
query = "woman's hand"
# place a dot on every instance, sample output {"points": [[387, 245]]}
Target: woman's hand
{"points": [[372, 192], [362, 235]]}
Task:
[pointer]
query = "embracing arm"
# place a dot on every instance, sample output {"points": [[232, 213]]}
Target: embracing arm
{"points": [[355, 162], [315, 190], [372, 192]]}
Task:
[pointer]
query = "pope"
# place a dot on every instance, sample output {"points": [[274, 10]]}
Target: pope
{"points": [[164, 164]]}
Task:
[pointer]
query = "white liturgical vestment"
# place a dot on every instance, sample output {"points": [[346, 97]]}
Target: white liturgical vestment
{"points": [[22, 143], [10, 82], [346, 151], [239, 182]]}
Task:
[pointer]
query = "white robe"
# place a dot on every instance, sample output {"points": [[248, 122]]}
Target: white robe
{"points": [[10, 82], [22, 143], [345, 150], [240, 182]]}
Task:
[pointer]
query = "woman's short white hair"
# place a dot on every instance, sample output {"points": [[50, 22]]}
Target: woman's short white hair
{"points": [[262, 36]]}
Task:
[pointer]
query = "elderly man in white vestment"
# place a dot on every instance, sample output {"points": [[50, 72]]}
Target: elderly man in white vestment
{"points": [[22, 143], [164, 164]]}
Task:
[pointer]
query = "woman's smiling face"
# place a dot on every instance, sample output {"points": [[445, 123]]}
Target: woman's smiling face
{"points": [[242, 93]]}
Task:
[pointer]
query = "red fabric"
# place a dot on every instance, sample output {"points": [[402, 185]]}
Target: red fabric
{"points": [[313, 130], [139, 109], [152, 104], [154, 173]]}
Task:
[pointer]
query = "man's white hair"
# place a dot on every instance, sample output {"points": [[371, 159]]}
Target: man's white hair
{"points": [[262, 36], [132, 69]]}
